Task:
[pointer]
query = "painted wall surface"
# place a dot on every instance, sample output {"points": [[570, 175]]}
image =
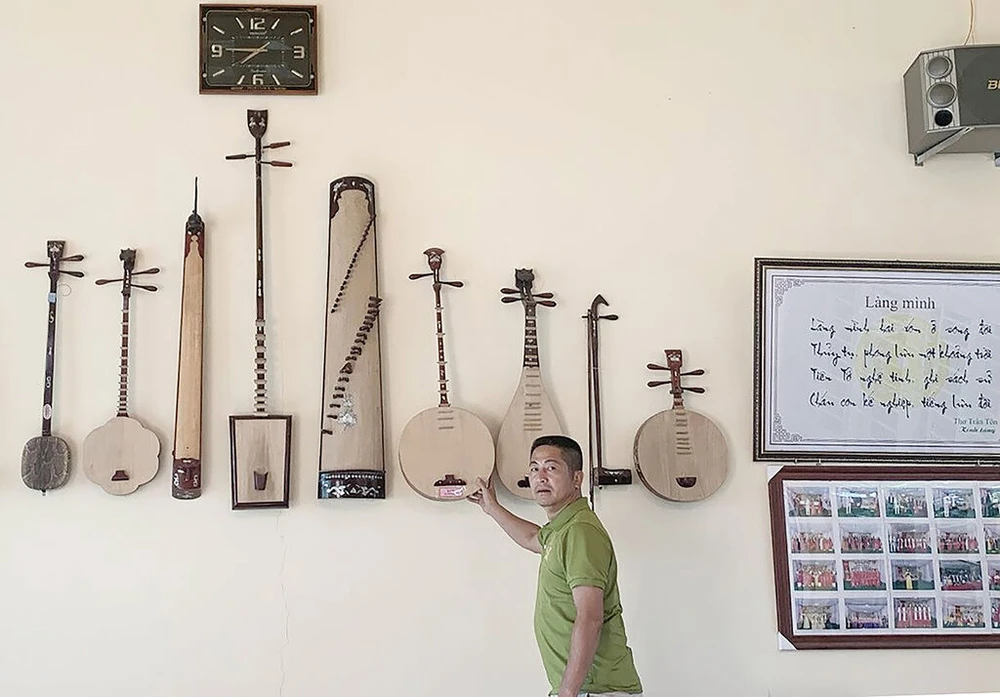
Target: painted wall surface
{"points": [[643, 150]]}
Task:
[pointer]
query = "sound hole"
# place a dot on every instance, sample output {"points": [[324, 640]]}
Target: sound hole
{"points": [[941, 94], [943, 118], [938, 67]]}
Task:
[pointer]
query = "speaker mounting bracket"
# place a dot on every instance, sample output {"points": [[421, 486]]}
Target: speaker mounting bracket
{"points": [[922, 157]]}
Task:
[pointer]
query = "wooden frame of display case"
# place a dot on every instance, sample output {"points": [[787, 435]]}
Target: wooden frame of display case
{"points": [[859, 551]]}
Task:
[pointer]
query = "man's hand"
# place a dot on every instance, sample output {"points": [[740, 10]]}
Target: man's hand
{"points": [[486, 497]]}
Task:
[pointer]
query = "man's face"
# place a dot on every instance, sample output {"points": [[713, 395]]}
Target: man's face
{"points": [[552, 482]]}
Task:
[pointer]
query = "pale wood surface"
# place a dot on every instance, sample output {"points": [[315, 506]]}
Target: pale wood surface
{"points": [[261, 445], [529, 416], [441, 441], [187, 427], [677, 444], [356, 440], [122, 443]]}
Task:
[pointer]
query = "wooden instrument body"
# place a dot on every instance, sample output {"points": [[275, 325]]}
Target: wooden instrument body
{"points": [[261, 447], [186, 469], [45, 463], [121, 455], [529, 416], [351, 449], [681, 455], [45, 459], [442, 450]]}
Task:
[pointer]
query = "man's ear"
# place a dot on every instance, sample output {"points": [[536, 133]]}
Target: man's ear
{"points": [[578, 478]]}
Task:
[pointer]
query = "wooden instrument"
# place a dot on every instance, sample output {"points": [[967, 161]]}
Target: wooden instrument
{"points": [[186, 473], [351, 454], [599, 475], [680, 455], [121, 455], [530, 413], [45, 459], [443, 449], [260, 443]]}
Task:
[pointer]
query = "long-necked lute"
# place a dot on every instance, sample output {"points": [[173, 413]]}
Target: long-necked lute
{"points": [[260, 443], [531, 413], [443, 449], [45, 459], [680, 455], [600, 476], [351, 452], [186, 470], [121, 455]]}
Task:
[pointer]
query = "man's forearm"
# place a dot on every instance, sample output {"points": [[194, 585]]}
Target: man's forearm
{"points": [[582, 647], [523, 532]]}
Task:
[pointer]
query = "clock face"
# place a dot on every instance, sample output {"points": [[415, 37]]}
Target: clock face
{"points": [[258, 49]]}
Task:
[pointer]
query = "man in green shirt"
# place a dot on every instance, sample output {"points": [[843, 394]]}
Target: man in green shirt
{"points": [[578, 615]]}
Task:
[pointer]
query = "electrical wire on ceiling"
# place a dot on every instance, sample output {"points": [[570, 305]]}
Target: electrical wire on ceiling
{"points": [[971, 36]]}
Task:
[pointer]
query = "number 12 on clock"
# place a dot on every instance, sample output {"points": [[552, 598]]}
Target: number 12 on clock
{"points": [[258, 49]]}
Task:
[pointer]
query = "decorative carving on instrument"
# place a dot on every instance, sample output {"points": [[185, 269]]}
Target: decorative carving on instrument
{"points": [[444, 448], [351, 454], [260, 442], [45, 459], [530, 413], [600, 476], [680, 455], [122, 454]]}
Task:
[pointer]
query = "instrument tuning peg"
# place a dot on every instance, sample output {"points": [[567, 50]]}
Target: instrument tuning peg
{"points": [[657, 383], [700, 371], [543, 295], [611, 317], [653, 366], [694, 389], [415, 276], [509, 300], [455, 284], [546, 303], [510, 291]]}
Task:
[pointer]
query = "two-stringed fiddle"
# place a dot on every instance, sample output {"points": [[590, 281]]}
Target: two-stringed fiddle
{"points": [[443, 449], [600, 476], [122, 454], [530, 413], [680, 455], [260, 443], [186, 470], [45, 459]]}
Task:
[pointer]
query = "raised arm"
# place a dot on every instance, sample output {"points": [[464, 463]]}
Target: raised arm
{"points": [[523, 532]]}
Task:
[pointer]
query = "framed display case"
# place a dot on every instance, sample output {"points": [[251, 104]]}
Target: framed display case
{"points": [[876, 361], [898, 557]]}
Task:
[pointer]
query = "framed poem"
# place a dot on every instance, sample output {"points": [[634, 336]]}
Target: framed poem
{"points": [[876, 361], [894, 557]]}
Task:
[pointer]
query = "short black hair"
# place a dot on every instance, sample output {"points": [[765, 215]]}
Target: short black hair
{"points": [[569, 448]]}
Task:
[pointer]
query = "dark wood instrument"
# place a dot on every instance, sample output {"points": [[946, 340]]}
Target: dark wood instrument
{"points": [[351, 452], [600, 476], [121, 455], [45, 459], [186, 473], [260, 443], [443, 449], [680, 455], [530, 413]]}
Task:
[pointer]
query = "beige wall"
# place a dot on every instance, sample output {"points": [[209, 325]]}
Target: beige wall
{"points": [[643, 150]]}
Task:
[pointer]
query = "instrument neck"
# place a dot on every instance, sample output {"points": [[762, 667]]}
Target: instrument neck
{"points": [[442, 374], [260, 393], [50, 360], [530, 337], [123, 373]]}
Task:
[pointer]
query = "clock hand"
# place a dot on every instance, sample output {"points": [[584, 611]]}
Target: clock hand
{"points": [[256, 51]]}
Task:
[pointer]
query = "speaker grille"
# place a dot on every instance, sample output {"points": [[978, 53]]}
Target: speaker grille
{"points": [[978, 70]]}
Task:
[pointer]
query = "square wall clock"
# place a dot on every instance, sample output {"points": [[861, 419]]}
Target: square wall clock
{"points": [[257, 49]]}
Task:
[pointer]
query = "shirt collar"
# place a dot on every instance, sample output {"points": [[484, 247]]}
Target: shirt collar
{"points": [[564, 516]]}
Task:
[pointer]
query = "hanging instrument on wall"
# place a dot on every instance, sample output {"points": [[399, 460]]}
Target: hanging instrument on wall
{"points": [[599, 475], [186, 472], [443, 449], [530, 413], [351, 453], [680, 455], [121, 455], [45, 459], [260, 443]]}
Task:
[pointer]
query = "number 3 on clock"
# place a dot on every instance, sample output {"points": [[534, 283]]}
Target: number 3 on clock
{"points": [[258, 49]]}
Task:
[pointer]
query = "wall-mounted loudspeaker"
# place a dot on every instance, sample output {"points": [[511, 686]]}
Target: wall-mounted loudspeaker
{"points": [[953, 102]]}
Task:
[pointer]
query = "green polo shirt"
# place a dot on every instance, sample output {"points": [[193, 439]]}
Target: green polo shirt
{"points": [[577, 551]]}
